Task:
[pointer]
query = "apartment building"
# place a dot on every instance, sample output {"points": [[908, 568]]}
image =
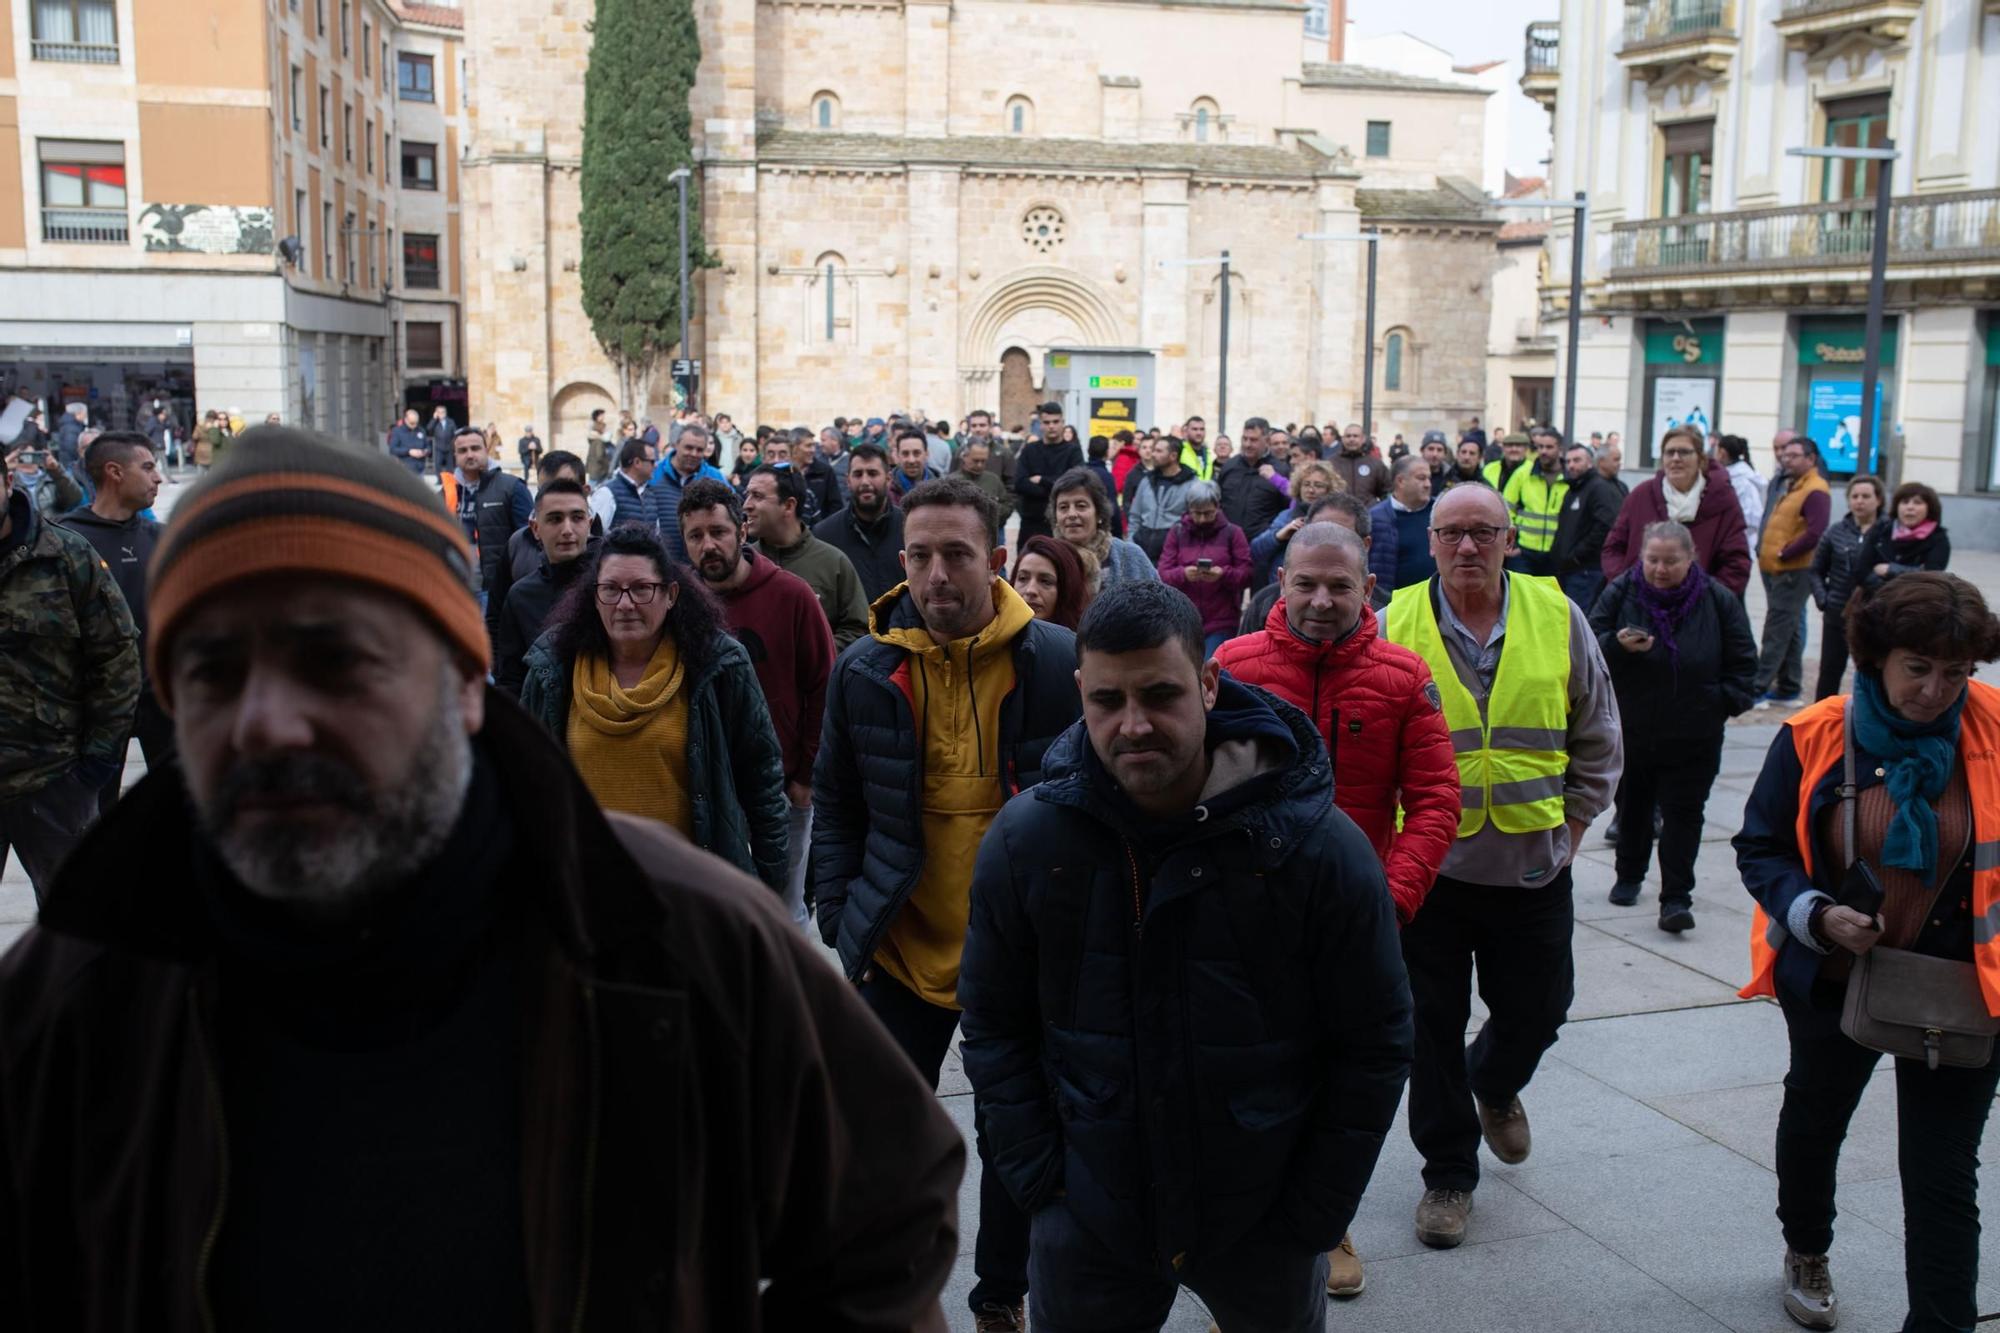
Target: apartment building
{"points": [[202, 201], [1726, 277]]}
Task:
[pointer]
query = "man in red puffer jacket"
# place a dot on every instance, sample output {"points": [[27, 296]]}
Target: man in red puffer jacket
{"points": [[1380, 715], [1372, 701]]}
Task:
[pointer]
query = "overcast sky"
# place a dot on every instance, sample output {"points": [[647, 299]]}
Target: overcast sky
{"points": [[1475, 31]]}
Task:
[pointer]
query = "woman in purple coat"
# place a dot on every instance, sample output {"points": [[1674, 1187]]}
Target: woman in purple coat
{"points": [[1208, 558]]}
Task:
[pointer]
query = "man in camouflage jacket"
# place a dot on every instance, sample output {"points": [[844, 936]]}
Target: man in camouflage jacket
{"points": [[69, 684]]}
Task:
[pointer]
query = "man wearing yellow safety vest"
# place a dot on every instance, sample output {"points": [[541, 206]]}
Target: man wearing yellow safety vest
{"points": [[1195, 456], [1534, 726], [1513, 454], [1535, 495]]}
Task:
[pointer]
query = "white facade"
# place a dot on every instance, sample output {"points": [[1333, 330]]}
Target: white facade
{"points": [[1675, 116]]}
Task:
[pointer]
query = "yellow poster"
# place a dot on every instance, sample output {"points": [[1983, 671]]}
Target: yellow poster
{"points": [[1108, 416]]}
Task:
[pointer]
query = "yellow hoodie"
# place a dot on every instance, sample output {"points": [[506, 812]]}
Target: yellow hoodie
{"points": [[955, 691]]}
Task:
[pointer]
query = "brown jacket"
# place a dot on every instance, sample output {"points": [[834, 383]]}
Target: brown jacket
{"points": [[707, 1105]]}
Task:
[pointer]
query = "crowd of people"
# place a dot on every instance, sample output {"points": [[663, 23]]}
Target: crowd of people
{"points": [[1194, 823]]}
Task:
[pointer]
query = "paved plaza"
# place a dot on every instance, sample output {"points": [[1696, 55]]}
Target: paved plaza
{"points": [[1648, 1201]]}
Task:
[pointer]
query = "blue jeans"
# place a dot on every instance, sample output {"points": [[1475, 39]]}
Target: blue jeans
{"points": [[1582, 586], [1078, 1285], [1210, 642]]}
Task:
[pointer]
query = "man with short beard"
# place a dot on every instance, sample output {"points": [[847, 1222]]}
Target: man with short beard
{"points": [[402, 983], [773, 504], [869, 531], [776, 617]]}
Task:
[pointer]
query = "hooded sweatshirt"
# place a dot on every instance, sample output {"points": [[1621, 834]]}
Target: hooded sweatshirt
{"points": [[955, 690], [778, 620]]}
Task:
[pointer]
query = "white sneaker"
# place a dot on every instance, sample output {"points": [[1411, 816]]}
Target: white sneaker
{"points": [[1809, 1297]]}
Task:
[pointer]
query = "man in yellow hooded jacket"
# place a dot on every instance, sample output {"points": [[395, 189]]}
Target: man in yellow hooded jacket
{"points": [[932, 723]]}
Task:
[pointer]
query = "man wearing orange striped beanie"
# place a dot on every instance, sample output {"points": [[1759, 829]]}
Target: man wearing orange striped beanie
{"points": [[402, 1032]]}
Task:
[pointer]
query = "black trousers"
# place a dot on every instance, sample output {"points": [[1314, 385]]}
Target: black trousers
{"points": [[1520, 940], [154, 731], [924, 1031], [1940, 1116], [1832, 653], [1671, 774], [41, 827]]}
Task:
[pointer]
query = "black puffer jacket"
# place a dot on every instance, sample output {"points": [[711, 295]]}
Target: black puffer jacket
{"points": [[1903, 555], [1695, 696], [1249, 499], [1588, 512], [1836, 565], [1222, 1063], [868, 782]]}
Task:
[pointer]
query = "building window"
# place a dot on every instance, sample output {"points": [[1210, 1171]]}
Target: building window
{"points": [[420, 261], [301, 218], [347, 132], [1688, 162], [367, 48], [77, 32], [83, 191], [326, 118], [347, 247], [419, 166], [326, 240], [826, 111], [425, 341], [1020, 116], [298, 98], [1043, 229], [388, 156], [319, 16], [1378, 138], [413, 78], [1205, 119], [829, 301], [385, 64], [368, 143], [346, 27], [1853, 122], [1392, 363]]}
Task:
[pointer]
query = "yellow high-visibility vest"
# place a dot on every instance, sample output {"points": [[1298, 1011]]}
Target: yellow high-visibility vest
{"points": [[1511, 762], [1536, 504]]}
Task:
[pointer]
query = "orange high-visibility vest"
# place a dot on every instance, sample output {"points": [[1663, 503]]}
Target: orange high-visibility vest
{"points": [[1817, 736]]}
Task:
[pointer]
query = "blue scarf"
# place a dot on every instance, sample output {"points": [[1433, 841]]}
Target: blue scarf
{"points": [[1916, 758]]}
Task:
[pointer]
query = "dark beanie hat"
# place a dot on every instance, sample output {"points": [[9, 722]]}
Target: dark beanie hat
{"points": [[286, 501]]}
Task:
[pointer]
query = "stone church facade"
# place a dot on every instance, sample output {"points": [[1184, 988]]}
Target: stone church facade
{"points": [[911, 202]]}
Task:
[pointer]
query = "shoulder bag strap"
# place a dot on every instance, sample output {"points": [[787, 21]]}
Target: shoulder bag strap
{"points": [[1849, 794]]}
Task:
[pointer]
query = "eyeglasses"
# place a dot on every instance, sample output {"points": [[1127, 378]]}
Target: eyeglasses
{"points": [[1677, 453], [1483, 535], [640, 593]]}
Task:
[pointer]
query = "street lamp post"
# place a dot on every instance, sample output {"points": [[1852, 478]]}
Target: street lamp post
{"points": [[680, 180], [1578, 238], [1373, 239], [1222, 378], [1878, 282]]}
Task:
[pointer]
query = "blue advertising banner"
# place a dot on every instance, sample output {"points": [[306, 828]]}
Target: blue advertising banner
{"points": [[1833, 419]]}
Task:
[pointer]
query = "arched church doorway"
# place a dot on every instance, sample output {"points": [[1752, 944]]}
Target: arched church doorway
{"points": [[1017, 389]]}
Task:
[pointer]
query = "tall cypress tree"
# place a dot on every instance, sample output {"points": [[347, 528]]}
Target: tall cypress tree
{"points": [[636, 132]]}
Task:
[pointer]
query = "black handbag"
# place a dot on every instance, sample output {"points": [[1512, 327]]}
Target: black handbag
{"points": [[1910, 1005]]}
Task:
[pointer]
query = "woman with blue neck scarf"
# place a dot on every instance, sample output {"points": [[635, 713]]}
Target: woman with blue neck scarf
{"points": [[1926, 741], [1682, 663]]}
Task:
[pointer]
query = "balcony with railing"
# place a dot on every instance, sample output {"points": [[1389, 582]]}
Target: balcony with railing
{"points": [[1812, 24], [1540, 63], [1797, 241], [76, 53], [85, 226], [1661, 35]]}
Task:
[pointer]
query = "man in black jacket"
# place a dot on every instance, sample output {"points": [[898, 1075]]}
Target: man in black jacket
{"points": [[932, 723], [1035, 471], [869, 531], [124, 471], [492, 507], [1587, 515], [1250, 494], [1186, 1020], [561, 531]]}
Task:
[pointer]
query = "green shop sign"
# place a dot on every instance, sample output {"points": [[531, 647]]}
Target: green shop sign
{"points": [[1841, 342], [1696, 343]]}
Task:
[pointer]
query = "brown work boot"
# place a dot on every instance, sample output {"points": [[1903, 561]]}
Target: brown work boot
{"points": [[1506, 1130], [1441, 1217], [992, 1318], [1344, 1278], [1809, 1298]]}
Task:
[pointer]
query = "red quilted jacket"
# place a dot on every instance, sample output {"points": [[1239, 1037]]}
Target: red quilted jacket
{"points": [[1374, 705]]}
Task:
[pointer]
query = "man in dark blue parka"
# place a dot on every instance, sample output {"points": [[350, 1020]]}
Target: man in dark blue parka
{"points": [[1185, 1012]]}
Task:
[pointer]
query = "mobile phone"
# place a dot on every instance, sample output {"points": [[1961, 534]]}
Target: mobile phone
{"points": [[1204, 564], [1860, 890]]}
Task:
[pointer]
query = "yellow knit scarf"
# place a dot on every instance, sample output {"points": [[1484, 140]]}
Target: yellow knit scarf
{"points": [[631, 745]]}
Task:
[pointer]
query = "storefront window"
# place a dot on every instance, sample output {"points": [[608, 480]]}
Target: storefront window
{"points": [[1831, 354]]}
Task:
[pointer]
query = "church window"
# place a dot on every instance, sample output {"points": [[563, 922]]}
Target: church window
{"points": [[829, 301], [825, 111], [1392, 363], [1020, 115], [1043, 229], [1204, 120]]}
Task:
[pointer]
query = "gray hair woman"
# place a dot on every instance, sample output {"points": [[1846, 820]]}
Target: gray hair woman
{"points": [[1682, 664], [1208, 558]]}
